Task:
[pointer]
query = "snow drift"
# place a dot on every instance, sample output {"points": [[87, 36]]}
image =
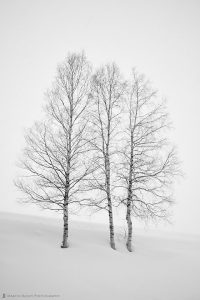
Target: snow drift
{"points": [[32, 264]]}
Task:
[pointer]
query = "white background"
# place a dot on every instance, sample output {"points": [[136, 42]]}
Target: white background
{"points": [[160, 38]]}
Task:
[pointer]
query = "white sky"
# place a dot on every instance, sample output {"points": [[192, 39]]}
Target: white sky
{"points": [[160, 38]]}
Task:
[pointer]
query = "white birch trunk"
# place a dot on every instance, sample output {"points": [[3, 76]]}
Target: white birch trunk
{"points": [[129, 199], [65, 243], [129, 224], [111, 225], [110, 212]]}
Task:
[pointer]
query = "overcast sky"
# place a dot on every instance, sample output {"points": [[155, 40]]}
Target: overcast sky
{"points": [[160, 38]]}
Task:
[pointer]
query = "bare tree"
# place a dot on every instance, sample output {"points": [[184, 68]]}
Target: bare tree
{"points": [[54, 158], [148, 163], [107, 91]]}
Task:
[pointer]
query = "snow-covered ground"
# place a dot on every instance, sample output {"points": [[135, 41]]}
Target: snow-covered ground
{"points": [[162, 266]]}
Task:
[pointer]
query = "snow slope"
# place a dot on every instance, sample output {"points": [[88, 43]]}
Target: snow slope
{"points": [[162, 267]]}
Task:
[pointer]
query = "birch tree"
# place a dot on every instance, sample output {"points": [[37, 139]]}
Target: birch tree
{"points": [[148, 161], [107, 91], [54, 158]]}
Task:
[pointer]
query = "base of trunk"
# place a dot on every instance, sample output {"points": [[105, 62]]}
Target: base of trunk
{"points": [[112, 245], [129, 247], [65, 245]]}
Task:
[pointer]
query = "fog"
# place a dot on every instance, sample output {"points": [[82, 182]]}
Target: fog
{"points": [[160, 38]]}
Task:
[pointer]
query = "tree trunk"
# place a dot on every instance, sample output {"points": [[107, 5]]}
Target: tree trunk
{"points": [[110, 212], [65, 229], [129, 199], [111, 226], [66, 197], [129, 224]]}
